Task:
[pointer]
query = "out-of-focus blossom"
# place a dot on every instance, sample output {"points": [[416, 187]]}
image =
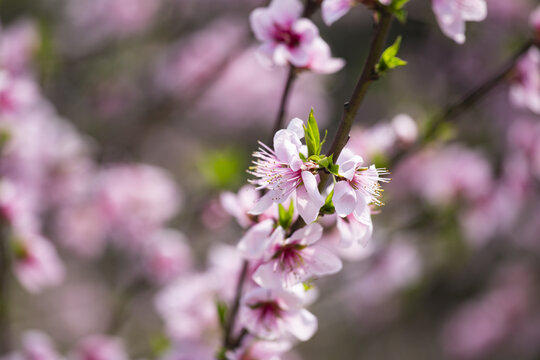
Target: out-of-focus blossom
{"points": [[391, 270], [256, 240], [264, 90], [285, 36], [35, 346], [525, 89], [272, 313], [188, 307], [138, 199], [238, 205], [333, 10], [289, 261], [200, 58], [284, 174], [36, 263], [439, 176], [260, 350], [167, 255], [18, 43], [480, 325], [190, 350], [452, 15], [100, 347], [16, 93], [384, 138], [320, 58], [101, 20]]}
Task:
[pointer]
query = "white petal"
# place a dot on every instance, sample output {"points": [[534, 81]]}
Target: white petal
{"points": [[256, 240], [306, 208], [296, 125], [262, 204], [344, 198], [310, 183], [302, 325]]}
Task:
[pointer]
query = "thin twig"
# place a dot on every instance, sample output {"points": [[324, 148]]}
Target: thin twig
{"points": [[291, 77], [456, 108], [5, 328], [228, 341]]}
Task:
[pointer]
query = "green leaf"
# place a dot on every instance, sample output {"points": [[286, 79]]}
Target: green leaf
{"points": [[286, 216], [222, 311], [328, 207], [389, 60], [313, 137], [327, 162], [396, 8]]}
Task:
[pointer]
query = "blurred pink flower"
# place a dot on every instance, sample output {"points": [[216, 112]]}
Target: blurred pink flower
{"points": [[167, 255], [320, 58], [35, 346], [333, 10], [19, 42], [36, 263], [260, 350], [525, 89], [100, 347], [452, 14], [238, 205], [138, 199]]}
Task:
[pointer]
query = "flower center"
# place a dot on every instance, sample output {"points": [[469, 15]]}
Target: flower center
{"points": [[286, 36]]}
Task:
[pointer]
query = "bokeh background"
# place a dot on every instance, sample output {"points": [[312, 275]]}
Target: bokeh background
{"points": [[453, 268]]}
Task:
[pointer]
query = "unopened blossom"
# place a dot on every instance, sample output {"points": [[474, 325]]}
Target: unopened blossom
{"points": [[167, 255], [272, 313], [35, 345], [36, 263], [357, 186], [452, 15], [283, 173], [100, 347], [298, 258], [286, 37], [525, 89]]}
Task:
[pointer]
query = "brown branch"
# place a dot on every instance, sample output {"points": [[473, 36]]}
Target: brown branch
{"points": [[228, 341], [5, 328], [291, 77], [368, 75]]}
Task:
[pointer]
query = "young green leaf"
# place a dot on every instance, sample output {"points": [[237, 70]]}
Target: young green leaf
{"points": [[285, 216], [328, 207], [313, 137], [389, 60]]}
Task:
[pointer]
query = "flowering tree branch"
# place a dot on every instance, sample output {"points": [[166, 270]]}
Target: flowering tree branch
{"points": [[383, 21]]}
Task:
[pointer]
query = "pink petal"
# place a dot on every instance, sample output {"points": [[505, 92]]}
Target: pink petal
{"points": [[256, 240], [333, 10], [262, 204], [302, 325], [323, 261]]}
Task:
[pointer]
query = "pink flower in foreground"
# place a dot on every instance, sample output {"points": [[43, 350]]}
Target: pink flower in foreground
{"points": [[283, 173], [452, 14], [525, 90], [285, 35], [272, 313], [36, 262], [100, 347], [358, 186], [296, 259]]}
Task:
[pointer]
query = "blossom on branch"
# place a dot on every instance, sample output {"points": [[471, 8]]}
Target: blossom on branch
{"points": [[452, 15]]}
